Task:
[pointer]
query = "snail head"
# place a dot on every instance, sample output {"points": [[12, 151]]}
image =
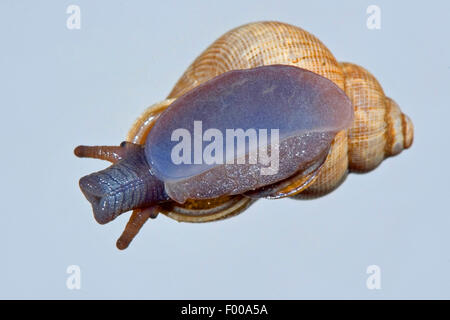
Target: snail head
{"points": [[126, 185]]}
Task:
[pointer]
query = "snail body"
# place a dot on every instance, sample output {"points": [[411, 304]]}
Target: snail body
{"points": [[311, 110], [356, 129]]}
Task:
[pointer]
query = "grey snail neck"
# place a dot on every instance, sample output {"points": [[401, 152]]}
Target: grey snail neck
{"points": [[126, 185]]}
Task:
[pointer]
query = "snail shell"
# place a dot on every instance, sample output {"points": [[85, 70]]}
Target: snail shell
{"points": [[379, 128]]}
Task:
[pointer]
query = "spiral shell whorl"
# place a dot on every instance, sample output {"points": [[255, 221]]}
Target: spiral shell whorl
{"points": [[400, 129], [258, 44], [379, 129]]}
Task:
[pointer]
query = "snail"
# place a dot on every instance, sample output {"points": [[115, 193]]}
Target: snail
{"points": [[325, 119]]}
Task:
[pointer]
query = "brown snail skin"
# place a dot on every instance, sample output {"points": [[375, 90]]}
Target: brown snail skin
{"points": [[336, 113]]}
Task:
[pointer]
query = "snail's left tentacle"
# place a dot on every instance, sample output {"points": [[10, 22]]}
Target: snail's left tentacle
{"points": [[137, 220], [108, 153]]}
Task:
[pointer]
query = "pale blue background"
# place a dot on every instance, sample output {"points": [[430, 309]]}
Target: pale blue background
{"points": [[61, 88]]}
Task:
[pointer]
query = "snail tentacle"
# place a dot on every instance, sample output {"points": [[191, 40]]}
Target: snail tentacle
{"points": [[108, 153], [138, 218]]}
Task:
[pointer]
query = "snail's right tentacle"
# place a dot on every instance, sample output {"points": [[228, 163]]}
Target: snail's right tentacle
{"points": [[138, 218]]}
